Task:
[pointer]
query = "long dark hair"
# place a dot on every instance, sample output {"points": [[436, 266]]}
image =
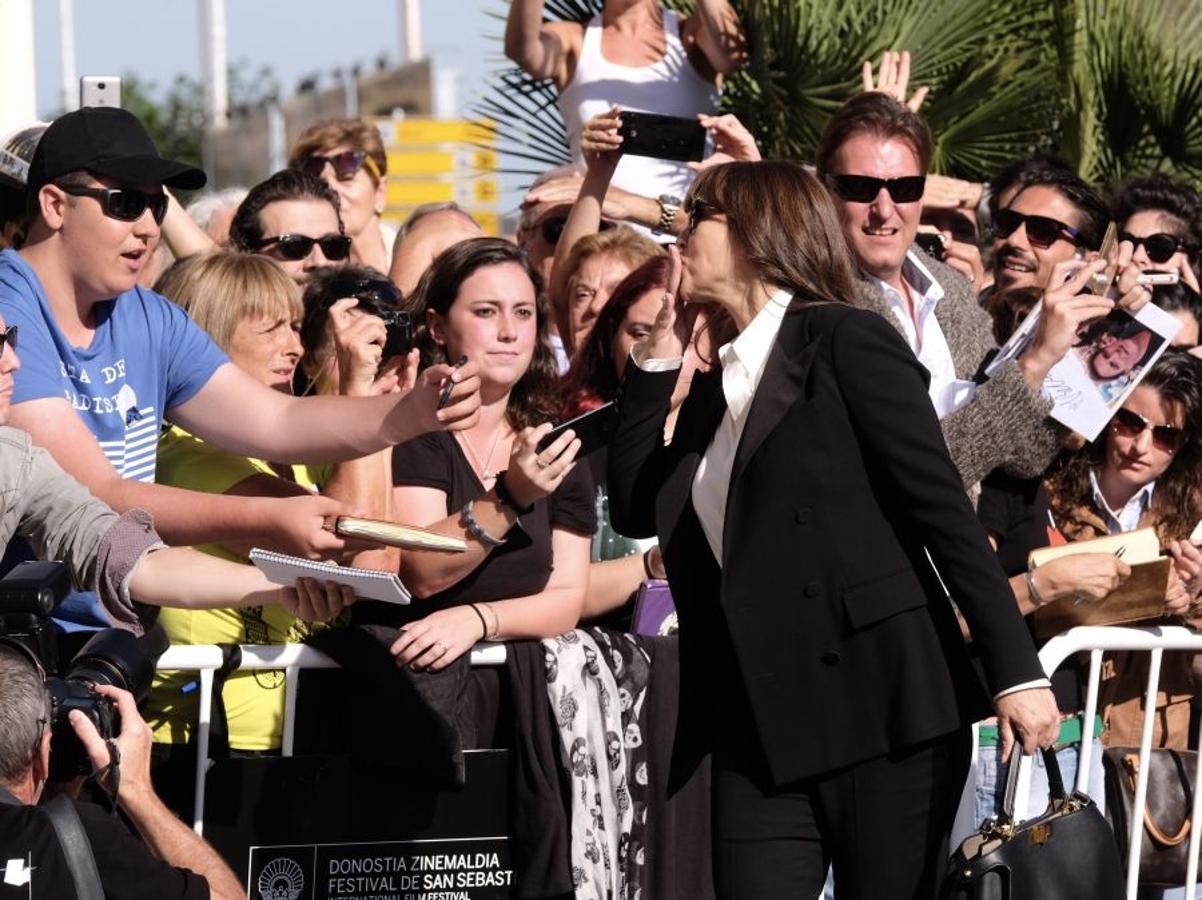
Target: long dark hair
{"points": [[785, 224], [1177, 501], [533, 400]]}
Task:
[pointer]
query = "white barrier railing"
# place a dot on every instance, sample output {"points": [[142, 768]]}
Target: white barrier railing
{"points": [[205, 659], [1096, 641]]}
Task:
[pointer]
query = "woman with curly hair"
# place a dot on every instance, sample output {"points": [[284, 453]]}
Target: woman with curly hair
{"points": [[1144, 471]]}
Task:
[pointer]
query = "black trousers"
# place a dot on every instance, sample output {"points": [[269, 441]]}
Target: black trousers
{"points": [[883, 824]]}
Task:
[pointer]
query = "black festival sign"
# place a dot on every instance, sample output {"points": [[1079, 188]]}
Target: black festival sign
{"points": [[459, 869]]}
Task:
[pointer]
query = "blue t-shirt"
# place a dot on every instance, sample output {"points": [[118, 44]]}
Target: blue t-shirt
{"points": [[146, 357]]}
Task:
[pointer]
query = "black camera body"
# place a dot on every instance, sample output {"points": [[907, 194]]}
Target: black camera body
{"points": [[381, 298], [28, 595]]}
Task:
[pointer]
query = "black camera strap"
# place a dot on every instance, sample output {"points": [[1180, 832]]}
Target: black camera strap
{"points": [[73, 840]]}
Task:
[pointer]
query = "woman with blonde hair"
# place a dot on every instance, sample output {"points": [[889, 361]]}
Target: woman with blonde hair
{"points": [[252, 310]]}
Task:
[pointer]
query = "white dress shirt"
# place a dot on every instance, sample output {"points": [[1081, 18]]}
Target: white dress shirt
{"points": [[925, 337], [1127, 518]]}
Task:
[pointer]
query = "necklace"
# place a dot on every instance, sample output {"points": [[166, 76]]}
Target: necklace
{"points": [[485, 473]]}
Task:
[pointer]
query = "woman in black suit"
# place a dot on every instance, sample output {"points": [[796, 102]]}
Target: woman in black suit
{"points": [[805, 484]]}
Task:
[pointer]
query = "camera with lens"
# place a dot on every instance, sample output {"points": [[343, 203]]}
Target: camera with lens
{"points": [[381, 298], [28, 595]]}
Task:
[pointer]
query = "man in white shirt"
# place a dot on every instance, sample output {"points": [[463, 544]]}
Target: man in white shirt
{"points": [[873, 158]]}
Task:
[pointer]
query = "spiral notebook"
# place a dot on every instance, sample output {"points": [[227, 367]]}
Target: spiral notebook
{"points": [[368, 584]]}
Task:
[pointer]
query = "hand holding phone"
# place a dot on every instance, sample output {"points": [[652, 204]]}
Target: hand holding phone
{"points": [[593, 429]]}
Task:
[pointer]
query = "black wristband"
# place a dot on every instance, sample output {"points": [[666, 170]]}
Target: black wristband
{"points": [[483, 624], [506, 498]]}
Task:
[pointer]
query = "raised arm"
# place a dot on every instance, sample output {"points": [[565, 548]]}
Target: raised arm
{"points": [[275, 426], [543, 50], [719, 35]]}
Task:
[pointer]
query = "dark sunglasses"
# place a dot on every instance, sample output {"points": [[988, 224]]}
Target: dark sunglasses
{"points": [[346, 164], [8, 338], [699, 211], [1042, 231], [552, 229], [124, 204], [1159, 247], [1132, 424], [865, 189], [336, 247]]}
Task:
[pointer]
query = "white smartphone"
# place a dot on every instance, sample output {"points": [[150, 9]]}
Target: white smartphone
{"points": [[1153, 278], [100, 90]]}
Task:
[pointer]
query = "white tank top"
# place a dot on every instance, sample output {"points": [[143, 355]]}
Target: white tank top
{"points": [[670, 87]]}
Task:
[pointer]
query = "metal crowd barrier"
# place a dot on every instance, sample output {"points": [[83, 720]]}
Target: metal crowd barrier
{"points": [[1096, 641], [206, 659]]}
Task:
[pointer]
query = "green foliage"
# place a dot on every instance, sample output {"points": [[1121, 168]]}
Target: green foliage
{"points": [[175, 118]]}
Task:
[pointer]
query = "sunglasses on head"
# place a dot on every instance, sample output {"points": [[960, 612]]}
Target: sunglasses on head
{"points": [[865, 189], [124, 204], [552, 229], [1159, 247], [346, 164], [335, 247], [1132, 424], [1042, 231]]}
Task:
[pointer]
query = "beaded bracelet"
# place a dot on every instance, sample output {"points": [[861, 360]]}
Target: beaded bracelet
{"points": [[475, 529]]}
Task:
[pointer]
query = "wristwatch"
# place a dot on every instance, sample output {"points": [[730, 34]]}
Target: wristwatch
{"points": [[506, 498], [669, 206]]}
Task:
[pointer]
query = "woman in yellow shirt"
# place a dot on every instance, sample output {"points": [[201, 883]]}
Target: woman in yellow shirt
{"points": [[253, 311]]}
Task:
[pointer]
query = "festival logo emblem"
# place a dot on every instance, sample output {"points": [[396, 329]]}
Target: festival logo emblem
{"points": [[281, 879]]}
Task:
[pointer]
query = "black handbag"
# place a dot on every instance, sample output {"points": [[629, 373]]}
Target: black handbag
{"points": [[1164, 851], [1067, 853]]}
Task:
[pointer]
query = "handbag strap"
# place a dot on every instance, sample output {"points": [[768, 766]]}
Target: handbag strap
{"points": [[73, 840], [1131, 764], [1051, 766]]}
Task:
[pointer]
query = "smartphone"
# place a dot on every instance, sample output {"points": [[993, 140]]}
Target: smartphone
{"points": [[593, 428], [1153, 278], [100, 90], [662, 137], [932, 245], [399, 328], [1100, 283]]}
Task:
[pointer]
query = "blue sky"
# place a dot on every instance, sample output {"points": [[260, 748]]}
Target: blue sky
{"points": [[157, 39]]}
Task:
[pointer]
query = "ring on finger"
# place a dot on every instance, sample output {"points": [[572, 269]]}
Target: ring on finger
{"points": [[541, 463]]}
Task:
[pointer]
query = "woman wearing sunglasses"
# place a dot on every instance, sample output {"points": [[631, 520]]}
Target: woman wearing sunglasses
{"points": [[349, 155], [1162, 218], [821, 666], [1145, 470]]}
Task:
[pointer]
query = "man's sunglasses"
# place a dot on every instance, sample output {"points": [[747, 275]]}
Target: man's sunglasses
{"points": [[124, 204], [1042, 231], [865, 189], [552, 229], [1159, 247], [346, 164], [335, 247], [8, 338], [1132, 424]]}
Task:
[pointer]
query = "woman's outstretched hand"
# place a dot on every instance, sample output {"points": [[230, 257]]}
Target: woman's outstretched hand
{"points": [[665, 341]]}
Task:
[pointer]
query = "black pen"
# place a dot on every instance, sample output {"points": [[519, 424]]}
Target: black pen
{"points": [[446, 391]]}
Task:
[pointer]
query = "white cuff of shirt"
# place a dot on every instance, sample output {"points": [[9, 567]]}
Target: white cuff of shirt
{"points": [[655, 365], [1025, 686]]}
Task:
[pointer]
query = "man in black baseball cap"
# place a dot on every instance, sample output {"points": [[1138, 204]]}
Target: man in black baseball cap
{"points": [[104, 361], [106, 141]]}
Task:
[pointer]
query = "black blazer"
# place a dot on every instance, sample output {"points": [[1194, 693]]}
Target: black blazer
{"points": [[825, 604]]}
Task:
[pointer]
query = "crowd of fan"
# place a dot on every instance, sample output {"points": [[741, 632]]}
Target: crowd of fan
{"points": [[256, 401]]}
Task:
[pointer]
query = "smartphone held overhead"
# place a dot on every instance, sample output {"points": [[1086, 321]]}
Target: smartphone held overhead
{"points": [[662, 137]]}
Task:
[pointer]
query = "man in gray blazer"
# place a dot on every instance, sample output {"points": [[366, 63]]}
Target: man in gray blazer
{"points": [[873, 157]]}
